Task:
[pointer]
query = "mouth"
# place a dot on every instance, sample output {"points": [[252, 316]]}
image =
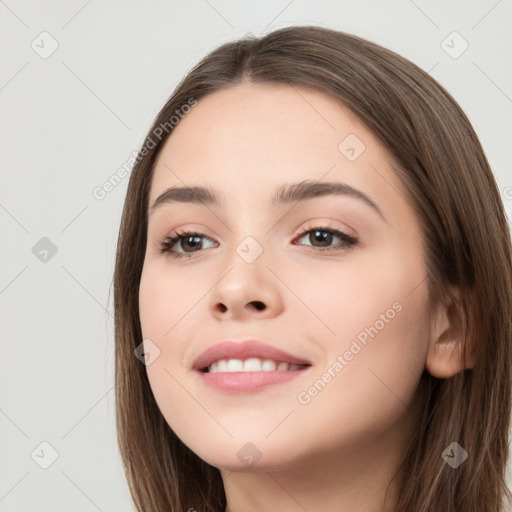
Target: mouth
{"points": [[253, 375], [247, 356], [247, 366], [252, 364]]}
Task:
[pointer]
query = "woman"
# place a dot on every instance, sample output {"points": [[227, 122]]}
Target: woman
{"points": [[342, 338]]}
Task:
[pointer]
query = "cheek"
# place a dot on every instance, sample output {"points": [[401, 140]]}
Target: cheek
{"points": [[366, 296], [166, 308], [166, 299], [375, 354]]}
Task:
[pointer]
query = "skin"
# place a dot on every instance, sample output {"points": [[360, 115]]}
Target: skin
{"points": [[338, 451]]}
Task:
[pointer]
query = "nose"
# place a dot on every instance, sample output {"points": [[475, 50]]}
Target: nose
{"points": [[256, 305], [246, 291]]}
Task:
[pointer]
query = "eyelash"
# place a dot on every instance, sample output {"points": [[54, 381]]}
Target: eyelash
{"points": [[168, 243]]}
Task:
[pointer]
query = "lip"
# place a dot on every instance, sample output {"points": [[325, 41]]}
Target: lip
{"points": [[244, 350], [244, 382]]}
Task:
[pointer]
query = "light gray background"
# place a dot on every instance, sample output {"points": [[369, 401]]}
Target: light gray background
{"points": [[70, 120]]}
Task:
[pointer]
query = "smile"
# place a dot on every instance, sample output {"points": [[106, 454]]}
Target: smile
{"points": [[253, 364]]}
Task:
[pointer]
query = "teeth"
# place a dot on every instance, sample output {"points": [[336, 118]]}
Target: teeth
{"points": [[235, 365], [268, 365], [253, 364]]}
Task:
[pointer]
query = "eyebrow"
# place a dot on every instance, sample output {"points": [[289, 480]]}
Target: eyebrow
{"points": [[284, 194]]}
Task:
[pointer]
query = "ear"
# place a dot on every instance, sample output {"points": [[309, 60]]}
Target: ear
{"points": [[445, 356]]}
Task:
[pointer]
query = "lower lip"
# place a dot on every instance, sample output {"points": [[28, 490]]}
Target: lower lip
{"points": [[248, 381]]}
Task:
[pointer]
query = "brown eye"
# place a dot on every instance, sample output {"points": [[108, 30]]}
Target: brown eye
{"points": [[189, 242], [325, 237]]}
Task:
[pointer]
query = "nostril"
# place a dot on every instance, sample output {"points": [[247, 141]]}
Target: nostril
{"points": [[258, 305]]}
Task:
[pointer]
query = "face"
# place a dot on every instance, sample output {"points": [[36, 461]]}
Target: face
{"points": [[335, 279]]}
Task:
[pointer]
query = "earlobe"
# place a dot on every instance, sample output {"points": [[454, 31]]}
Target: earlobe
{"points": [[445, 357]]}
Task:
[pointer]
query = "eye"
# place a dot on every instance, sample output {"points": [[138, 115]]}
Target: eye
{"points": [[190, 241], [324, 236], [187, 239]]}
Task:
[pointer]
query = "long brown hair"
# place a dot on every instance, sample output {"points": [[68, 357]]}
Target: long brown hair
{"points": [[439, 158]]}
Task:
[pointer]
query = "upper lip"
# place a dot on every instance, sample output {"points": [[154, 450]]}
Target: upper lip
{"points": [[244, 350]]}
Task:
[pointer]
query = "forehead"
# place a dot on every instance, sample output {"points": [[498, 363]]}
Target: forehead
{"points": [[252, 137]]}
